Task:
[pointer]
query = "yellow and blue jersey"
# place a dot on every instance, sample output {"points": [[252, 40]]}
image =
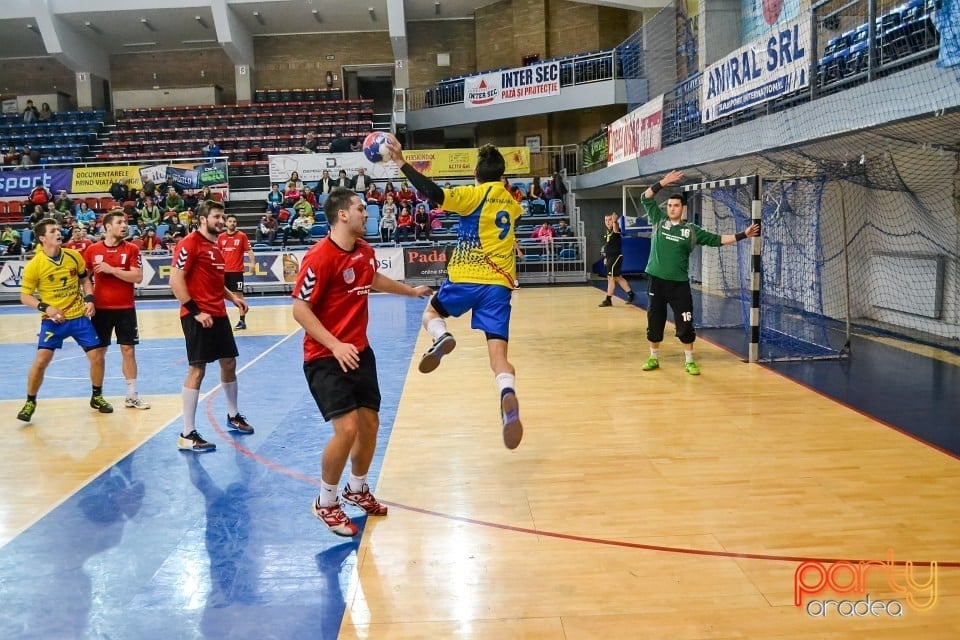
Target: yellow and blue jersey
{"points": [[56, 281], [485, 243]]}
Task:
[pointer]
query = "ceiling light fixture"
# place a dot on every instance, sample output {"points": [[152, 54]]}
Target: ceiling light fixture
{"points": [[139, 44], [316, 15], [146, 23], [436, 7], [256, 14], [33, 28], [202, 22], [93, 27], [373, 14], [206, 41]]}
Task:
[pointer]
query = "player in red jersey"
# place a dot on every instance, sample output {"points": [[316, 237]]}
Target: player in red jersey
{"points": [[78, 240], [116, 268], [234, 244], [197, 281], [330, 303]]}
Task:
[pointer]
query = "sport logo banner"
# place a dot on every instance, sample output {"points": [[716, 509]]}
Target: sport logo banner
{"points": [[510, 85]]}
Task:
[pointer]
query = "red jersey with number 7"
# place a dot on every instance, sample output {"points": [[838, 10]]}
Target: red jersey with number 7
{"points": [[202, 264], [109, 291]]}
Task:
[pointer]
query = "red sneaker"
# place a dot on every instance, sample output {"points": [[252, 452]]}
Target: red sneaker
{"points": [[365, 500], [335, 519]]}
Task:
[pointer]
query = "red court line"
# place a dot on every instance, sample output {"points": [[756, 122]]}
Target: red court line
{"points": [[552, 534]]}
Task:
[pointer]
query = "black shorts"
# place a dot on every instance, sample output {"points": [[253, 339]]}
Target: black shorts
{"points": [[123, 322], [233, 282], [338, 393], [614, 264], [208, 345]]}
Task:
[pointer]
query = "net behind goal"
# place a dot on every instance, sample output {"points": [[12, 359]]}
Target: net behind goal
{"points": [[860, 251]]}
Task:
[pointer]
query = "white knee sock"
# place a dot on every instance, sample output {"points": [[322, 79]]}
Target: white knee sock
{"points": [[437, 327], [190, 397]]}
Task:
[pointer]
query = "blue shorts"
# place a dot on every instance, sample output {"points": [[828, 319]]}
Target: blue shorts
{"points": [[490, 304], [52, 334]]}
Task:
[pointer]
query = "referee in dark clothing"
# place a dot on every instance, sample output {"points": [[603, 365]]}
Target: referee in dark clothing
{"points": [[613, 259]]}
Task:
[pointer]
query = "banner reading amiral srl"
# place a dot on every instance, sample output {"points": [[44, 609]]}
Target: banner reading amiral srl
{"points": [[434, 163], [636, 134], [772, 66], [522, 83]]}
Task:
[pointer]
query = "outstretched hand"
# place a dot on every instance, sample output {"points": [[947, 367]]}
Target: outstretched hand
{"points": [[752, 230], [671, 178]]}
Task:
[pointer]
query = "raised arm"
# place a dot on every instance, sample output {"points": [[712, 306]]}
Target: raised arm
{"points": [[425, 185], [671, 178]]}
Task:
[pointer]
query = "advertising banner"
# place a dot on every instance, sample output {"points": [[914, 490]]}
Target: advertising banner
{"points": [[510, 85], [426, 262], [773, 66], [636, 134], [20, 183], [99, 179], [433, 163]]}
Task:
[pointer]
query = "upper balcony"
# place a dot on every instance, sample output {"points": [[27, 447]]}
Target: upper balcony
{"points": [[585, 80]]}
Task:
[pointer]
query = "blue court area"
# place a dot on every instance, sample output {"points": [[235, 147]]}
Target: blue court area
{"points": [[169, 544]]}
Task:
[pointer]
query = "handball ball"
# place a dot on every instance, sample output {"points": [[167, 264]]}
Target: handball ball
{"points": [[375, 147]]}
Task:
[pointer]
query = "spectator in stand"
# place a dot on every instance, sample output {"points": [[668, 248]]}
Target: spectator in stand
{"points": [[85, 215], [212, 150], [36, 216], [63, 201], [405, 194], [303, 206], [309, 143], [421, 223], [15, 247], [191, 201], [392, 190], [536, 191], [274, 199], [518, 194], [373, 195], [11, 157], [326, 183], [342, 180], [52, 212], [361, 181], [172, 220], [120, 191], [544, 233], [40, 195], [302, 224], [558, 190], [151, 242], [45, 114], [564, 230], [310, 197], [295, 179], [78, 239], [388, 218], [8, 235], [291, 194], [267, 229], [173, 202], [404, 224], [436, 219], [171, 183], [150, 213], [205, 195], [29, 157], [30, 113]]}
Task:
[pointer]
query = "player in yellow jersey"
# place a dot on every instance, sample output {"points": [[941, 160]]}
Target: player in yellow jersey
{"points": [[56, 283], [481, 272]]}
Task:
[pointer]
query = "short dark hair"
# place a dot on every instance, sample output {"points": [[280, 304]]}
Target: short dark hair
{"points": [[339, 198], [678, 196], [113, 213], [232, 215], [40, 228], [203, 210], [490, 164]]}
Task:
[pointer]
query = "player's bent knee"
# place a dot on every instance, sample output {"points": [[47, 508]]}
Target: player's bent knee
{"points": [[687, 337]]}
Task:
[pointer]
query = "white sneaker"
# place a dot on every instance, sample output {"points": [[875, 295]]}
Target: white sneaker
{"points": [[136, 403]]}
